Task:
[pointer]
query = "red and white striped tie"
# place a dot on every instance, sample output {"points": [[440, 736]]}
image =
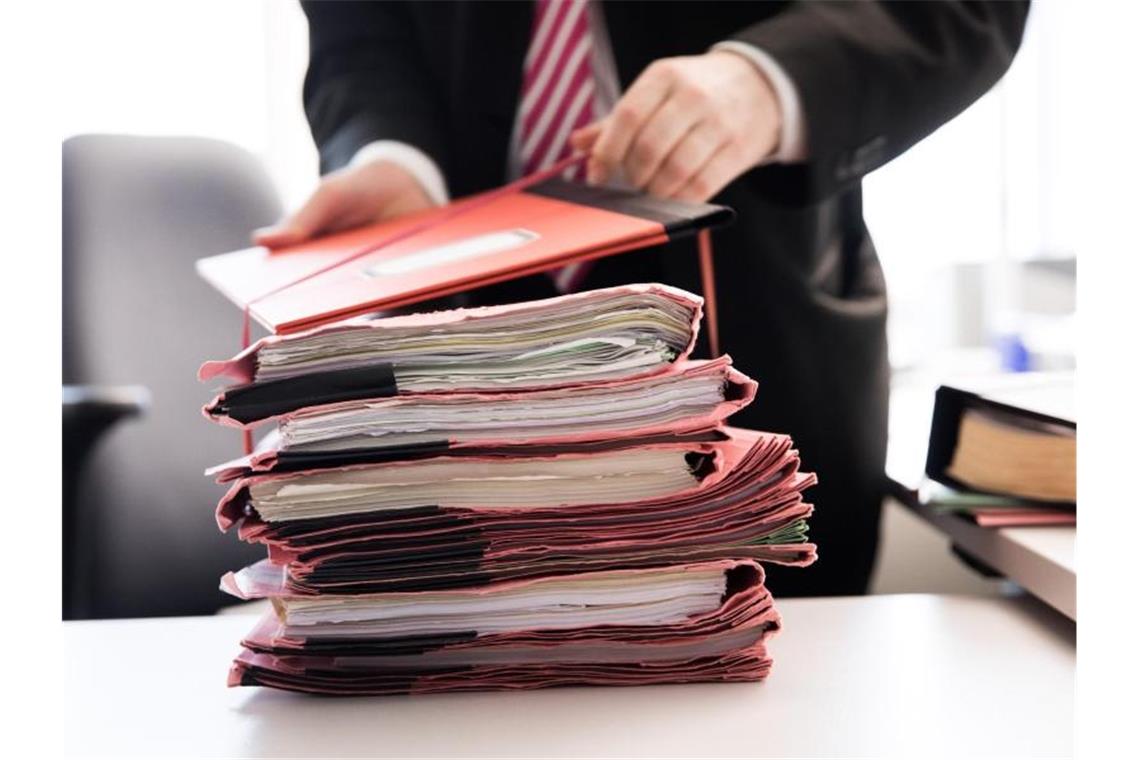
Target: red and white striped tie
{"points": [[557, 96]]}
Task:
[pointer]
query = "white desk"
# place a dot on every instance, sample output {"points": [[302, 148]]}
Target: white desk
{"points": [[910, 675], [1041, 560]]}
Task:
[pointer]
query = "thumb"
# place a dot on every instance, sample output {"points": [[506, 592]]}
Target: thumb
{"points": [[278, 235], [304, 223], [582, 140]]}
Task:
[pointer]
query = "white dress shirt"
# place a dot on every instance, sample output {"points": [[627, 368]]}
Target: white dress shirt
{"points": [[792, 145]]}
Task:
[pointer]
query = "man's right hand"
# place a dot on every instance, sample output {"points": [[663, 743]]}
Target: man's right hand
{"points": [[350, 197]]}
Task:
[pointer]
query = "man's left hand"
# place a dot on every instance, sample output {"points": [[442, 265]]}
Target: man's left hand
{"points": [[686, 128]]}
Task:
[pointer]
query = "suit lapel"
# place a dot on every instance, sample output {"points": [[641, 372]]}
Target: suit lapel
{"points": [[631, 28], [490, 43]]}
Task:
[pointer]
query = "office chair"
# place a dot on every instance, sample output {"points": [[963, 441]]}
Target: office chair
{"points": [[138, 512]]}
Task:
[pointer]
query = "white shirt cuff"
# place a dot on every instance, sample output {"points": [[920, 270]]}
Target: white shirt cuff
{"points": [[793, 132], [410, 158]]}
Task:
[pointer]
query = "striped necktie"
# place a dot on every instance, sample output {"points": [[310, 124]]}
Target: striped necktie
{"points": [[557, 96]]}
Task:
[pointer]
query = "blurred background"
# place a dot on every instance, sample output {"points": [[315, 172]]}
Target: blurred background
{"points": [[181, 156]]}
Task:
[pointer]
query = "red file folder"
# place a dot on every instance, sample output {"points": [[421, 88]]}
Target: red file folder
{"points": [[510, 235]]}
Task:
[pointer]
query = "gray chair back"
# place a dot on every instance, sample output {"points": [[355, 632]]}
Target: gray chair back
{"points": [[137, 212]]}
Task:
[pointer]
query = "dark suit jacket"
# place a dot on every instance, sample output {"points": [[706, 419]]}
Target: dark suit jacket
{"points": [[801, 294]]}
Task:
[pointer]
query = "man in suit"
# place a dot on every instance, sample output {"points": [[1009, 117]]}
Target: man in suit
{"points": [[774, 109]]}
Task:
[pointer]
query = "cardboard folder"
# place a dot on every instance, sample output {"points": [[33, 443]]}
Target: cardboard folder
{"points": [[738, 497], [701, 621], [568, 340], [473, 242]]}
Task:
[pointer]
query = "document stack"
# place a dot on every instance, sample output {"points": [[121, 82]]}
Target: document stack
{"points": [[510, 497]]}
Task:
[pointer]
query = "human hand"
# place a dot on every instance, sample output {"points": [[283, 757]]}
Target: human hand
{"points": [[350, 197], [686, 128]]}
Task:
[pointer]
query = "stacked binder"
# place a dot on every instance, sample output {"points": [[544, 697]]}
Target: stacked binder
{"points": [[520, 496], [1005, 454]]}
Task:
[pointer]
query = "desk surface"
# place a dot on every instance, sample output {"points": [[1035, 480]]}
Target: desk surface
{"points": [[906, 675]]}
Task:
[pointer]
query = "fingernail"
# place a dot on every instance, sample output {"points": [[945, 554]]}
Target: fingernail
{"points": [[595, 175]]}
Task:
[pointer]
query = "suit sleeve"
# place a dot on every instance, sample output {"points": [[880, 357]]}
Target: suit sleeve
{"points": [[368, 80], [876, 77]]}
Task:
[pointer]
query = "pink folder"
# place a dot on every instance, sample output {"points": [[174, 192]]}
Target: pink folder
{"points": [[747, 504], [722, 644], [241, 367]]}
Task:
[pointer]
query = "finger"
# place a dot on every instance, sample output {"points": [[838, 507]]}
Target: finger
{"points": [[322, 208], [721, 168], [596, 172], [628, 116], [689, 156], [582, 140], [657, 139], [317, 214], [275, 236], [410, 201]]}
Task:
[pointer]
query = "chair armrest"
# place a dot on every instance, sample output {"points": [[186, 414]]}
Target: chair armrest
{"points": [[133, 399], [89, 411]]}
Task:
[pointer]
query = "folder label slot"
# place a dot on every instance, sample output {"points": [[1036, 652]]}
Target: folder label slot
{"points": [[450, 253]]}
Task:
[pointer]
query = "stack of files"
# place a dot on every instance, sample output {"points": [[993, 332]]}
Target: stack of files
{"points": [[1005, 456], [990, 510], [503, 516], [508, 497], [569, 370], [693, 622]]}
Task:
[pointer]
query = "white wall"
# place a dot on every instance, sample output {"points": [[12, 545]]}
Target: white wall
{"points": [[229, 69]]}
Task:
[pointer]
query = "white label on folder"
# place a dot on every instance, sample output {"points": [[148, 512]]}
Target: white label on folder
{"points": [[468, 248]]}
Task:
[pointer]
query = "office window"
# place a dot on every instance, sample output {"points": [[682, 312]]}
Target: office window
{"points": [[210, 68], [975, 225]]}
